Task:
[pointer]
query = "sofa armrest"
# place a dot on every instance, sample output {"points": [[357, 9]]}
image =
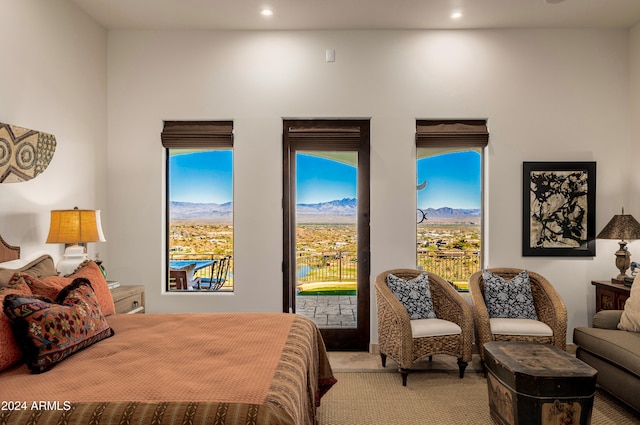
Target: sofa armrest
{"points": [[607, 319]]}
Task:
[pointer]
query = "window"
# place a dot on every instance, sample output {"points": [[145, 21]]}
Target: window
{"points": [[449, 197], [199, 205]]}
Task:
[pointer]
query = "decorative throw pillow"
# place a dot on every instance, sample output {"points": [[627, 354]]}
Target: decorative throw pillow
{"points": [[50, 286], [630, 319], [48, 332], [509, 299], [90, 270], [414, 294], [10, 352], [40, 267]]}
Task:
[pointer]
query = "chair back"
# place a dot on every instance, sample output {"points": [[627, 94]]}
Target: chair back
{"points": [[382, 288], [504, 272], [441, 290], [223, 268], [220, 270], [178, 278], [541, 289]]}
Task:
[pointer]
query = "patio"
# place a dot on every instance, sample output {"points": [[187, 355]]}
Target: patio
{"points": [[328, 311]]}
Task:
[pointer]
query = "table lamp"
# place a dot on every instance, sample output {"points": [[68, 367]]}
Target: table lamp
{"points": [[73, 227], [622, 226]]}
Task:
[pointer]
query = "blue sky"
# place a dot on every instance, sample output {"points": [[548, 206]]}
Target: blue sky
{"points": [[323, 180], [453, 180], [201, 177]]}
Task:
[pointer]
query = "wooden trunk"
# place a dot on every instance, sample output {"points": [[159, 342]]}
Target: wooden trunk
{"points": [[531, 383]]}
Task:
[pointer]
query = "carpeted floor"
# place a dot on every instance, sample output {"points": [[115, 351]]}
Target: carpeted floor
{"points": [[430, 397]]}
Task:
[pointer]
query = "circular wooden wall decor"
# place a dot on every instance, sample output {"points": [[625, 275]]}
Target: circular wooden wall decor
{"points": [[24, 153]]}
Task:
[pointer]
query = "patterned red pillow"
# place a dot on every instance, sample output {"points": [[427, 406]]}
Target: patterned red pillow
{"points": [[48, 332], [10, 353]]}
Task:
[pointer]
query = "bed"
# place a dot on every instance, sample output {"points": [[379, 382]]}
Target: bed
{"points": [[209, 368]]}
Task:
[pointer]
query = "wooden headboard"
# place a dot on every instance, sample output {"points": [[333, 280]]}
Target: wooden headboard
{"points": [[8, 252]]}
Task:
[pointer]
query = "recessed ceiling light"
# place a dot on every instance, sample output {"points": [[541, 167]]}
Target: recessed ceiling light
{"points": [[553, 1], [266, 12], [456, 15]]}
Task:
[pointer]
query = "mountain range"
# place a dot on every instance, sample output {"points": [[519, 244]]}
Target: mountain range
{"points": [[336, 211], [202, 212], [446, 212]]}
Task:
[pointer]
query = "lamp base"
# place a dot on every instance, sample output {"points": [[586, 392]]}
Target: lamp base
{"points": [[623, 262], [618, 281], [73, 256]]}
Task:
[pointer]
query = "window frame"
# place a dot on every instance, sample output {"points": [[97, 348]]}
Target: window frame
{"points": [[460, 135], [197, 135]]}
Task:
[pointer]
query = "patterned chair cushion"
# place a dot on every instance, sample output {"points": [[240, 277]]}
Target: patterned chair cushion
{"points": [[510, 299], [48, 332], [414, 295]]}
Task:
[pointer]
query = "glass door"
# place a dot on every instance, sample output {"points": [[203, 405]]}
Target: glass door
{"points": [[327, 278]]}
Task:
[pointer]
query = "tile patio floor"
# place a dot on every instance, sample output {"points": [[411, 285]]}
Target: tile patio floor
{"points": [[328, 311]]}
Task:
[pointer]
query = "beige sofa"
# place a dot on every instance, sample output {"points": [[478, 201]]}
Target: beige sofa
{"points": [[614, 353]]}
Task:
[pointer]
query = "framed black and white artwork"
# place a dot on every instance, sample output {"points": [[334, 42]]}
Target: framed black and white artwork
{"points": [[559, 213]]}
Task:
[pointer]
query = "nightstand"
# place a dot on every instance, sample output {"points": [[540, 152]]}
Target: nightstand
{"points": [[129, 299], [610, 296]]}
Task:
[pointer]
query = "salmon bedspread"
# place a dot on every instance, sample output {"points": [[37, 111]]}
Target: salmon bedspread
{"points": [[210, 368]]}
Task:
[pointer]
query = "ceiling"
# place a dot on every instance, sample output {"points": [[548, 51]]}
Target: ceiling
{"points": [[360, 14]]}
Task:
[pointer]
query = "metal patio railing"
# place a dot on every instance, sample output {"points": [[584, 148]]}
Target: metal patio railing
{"points": [[341, 266]]}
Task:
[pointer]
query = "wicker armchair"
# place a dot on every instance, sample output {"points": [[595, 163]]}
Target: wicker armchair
{"points": [[550, 310], [395, 335]]}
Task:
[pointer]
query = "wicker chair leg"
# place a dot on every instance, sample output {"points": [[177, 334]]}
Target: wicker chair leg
{"points": [[461, 367], [484, 368], [430, 358], [404, 373], [383, 357]]}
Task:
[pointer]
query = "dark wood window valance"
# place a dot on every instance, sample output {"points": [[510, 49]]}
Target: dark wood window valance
{"points": [[197, 134], [330, 134], [451, 133]]}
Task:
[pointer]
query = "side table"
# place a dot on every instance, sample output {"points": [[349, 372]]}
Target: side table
{"points": [[129, 299], [610, 296]]}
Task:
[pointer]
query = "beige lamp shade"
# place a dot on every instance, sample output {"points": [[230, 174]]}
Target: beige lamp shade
{"points": [[75, 226], [622, 226]]}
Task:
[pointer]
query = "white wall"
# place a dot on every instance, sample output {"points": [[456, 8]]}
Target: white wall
{"points": [[53, 78], [634, 180], [548, 95]]}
